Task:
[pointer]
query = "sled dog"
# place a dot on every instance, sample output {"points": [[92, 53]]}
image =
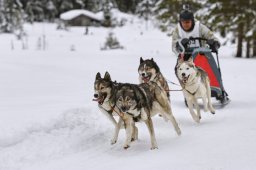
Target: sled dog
{"points": [[149, 71], [140, 103], [104, 93], [195, 84]]}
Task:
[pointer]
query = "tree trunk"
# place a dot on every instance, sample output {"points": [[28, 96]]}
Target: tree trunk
{"points": [[240, 41], [254, 47], [248, 47]]}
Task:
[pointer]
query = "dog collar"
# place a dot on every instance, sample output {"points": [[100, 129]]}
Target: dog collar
{"points": [[191, 92], [136, 118]]}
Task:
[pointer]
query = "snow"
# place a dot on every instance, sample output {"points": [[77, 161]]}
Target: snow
{"points": [[48, 120], [76, 12]]}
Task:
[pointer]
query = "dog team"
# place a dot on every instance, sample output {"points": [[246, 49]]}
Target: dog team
{"points": [[132, 103]]}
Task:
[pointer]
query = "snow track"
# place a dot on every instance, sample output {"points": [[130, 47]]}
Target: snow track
{"points": [[75, 131], [48, 120]]}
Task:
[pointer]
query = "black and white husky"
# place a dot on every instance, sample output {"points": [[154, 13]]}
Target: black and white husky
{"points": [[140, 103], [149, 71], [104, 93], [196, 84]]}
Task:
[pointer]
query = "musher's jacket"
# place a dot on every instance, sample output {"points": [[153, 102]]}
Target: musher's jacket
{"points": [[199, 30]]}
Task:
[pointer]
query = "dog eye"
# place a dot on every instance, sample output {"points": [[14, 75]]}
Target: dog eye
{"points": [[102, 87], [130, 102], [187, 68]]}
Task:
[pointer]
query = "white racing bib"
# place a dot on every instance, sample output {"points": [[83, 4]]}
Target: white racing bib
{"points": [[194, 33]]}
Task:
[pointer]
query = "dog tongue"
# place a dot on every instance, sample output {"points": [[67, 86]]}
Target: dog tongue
{"points": [[96, 99], [99, 100], [185, 79], [145, 79]]}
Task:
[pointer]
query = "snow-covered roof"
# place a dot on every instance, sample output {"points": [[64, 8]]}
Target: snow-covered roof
{"points": [[75, 13]]}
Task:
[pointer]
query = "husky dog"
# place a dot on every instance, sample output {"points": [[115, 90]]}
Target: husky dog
{"points": [[105, 91], [195, 84], [140, 103], [149, 71]]}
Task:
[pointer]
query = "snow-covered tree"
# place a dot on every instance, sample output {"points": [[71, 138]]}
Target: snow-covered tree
{"points": [[231, 16], [11, 16], [107, 6], [128, 6], [65, 6], [168, 11], [51, 10], [145, 8], [111, 42], [34, 10]]}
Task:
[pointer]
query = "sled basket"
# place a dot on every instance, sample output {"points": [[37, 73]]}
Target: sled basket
{"points": [[204, 59]]}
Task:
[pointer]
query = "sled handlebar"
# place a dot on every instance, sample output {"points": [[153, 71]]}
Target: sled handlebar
{"points": [[183, 44]]}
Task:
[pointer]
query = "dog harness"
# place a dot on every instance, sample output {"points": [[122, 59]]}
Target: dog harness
{"points": [[193, 93], [137, 118], [157, 78]]}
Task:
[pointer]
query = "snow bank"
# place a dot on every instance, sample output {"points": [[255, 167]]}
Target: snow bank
{"points": [[74, 131]]}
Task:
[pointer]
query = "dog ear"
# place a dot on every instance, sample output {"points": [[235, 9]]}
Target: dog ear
{"points": [[141, 60], [98, 76], [107, 76], [180, 60], [152, 59], [191, 62]]}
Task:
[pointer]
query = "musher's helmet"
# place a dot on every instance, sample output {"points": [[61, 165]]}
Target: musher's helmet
{"points": [[186, 15]]}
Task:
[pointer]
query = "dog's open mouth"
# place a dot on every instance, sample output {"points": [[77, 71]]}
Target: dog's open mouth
{"points": [[185, 79], [146, 78], [100, 99]]}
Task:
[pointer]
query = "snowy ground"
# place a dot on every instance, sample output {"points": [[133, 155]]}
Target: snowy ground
{"points": [[48, 120]]}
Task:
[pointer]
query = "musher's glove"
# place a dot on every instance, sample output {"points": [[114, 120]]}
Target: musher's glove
{"points": [[185, 42], [178, 47], [214, 45]]}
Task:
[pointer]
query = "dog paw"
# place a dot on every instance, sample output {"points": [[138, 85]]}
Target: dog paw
{"points": [[126, 146], [178, 132], [134, 138], [197, 120], [154, 147], [113, 142]]}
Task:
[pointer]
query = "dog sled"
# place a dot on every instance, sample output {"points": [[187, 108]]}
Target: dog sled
{"points": [[204, 59]]}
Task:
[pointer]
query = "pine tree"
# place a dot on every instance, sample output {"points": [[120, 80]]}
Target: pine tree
{"points": [[107, 13], [237, 17], [11, 16], [50, 10], [34, 10], [65, 6], [168, 11], [90, 5], [107, 5], [128, 6], [145, 8]]}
